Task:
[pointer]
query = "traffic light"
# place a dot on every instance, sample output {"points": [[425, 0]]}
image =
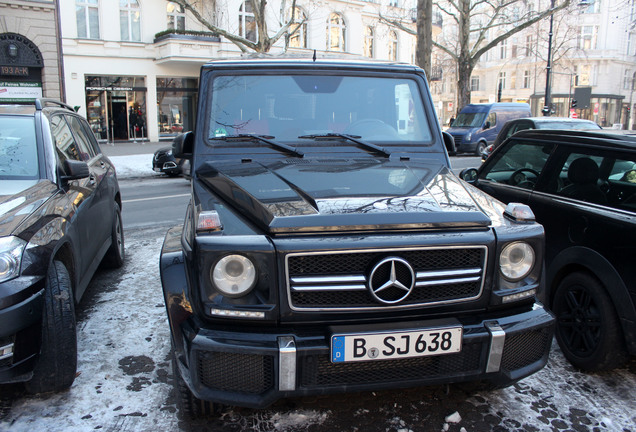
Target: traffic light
{"points": [[574, 103]]}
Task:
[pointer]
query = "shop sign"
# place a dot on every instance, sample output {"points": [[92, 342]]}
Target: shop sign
{"points": [[14, 70], [110, 88], [20, 91]]}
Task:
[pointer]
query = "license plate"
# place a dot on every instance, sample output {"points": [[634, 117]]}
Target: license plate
{"points": [[392, 345]]}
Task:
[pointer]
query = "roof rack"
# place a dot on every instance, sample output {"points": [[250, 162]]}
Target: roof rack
{"points": [[41, 102]]}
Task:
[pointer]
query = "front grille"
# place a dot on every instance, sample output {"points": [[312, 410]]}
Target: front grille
{"points": [[458, 140], [319, 371], [340, 281], [243, 373], [523, 349]]}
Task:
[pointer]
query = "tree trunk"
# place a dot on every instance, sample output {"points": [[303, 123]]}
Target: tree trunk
{"points": [[424, 35], [465, 63]]}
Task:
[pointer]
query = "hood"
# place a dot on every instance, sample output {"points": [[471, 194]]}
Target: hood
{"points": [[20, 198], [305, 195]]}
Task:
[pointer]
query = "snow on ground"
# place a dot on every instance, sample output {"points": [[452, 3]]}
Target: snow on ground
{"points": [[139, 165]]}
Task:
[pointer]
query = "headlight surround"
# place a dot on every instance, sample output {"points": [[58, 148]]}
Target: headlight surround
{"points": [[233, 275], [468, 136], [516, 260], [11, 249]]}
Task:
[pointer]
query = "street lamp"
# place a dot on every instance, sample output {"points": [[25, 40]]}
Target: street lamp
{"points": [[546, 108]]}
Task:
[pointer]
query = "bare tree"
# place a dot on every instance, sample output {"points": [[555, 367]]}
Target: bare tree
{"points": [[264, 41], [469, 43]]}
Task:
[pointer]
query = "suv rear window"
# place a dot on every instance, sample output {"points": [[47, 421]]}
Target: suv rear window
{"points": [[286, 107], [18, 148]]}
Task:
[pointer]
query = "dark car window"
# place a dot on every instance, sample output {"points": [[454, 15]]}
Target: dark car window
{"points": [[63, 138], [518, 164], [87, 151], [606, 178], [18, 148]]}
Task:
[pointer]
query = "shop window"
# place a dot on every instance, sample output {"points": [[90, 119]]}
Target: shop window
{"points": [[176, 103], [336, 32], [298, 29], [129, 20], [176, 16], [247, 22], [87, 17]]}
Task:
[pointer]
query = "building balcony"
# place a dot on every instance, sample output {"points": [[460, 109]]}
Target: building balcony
{"points": [[188, 47]]}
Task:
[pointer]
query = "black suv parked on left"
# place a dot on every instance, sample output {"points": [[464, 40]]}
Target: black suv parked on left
{"points": [[60, 217]]}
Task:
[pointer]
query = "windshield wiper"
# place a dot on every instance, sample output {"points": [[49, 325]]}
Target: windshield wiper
{"points": [[353, 138], [262, 138]]}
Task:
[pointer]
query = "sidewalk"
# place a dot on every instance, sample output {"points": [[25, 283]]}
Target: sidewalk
{"points": [[127, 148]]}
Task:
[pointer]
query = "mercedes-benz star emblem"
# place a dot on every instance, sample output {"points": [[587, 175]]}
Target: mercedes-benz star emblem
{"points": [[391, 280]]}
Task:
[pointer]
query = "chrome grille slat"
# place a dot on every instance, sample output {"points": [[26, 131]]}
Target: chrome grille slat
{"points": [[319, 281], [446, 281]]}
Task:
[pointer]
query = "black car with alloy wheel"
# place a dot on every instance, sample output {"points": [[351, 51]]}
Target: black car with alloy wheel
{"points": [[60, 217], [163, 161], [582, 188], [328, 246]]}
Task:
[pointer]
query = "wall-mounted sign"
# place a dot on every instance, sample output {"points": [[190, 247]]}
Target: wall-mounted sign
{"points": [[14, 70], [20, 91]]}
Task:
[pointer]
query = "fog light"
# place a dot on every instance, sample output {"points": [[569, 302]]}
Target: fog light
{"points": [[237, 313], [519, 296]]}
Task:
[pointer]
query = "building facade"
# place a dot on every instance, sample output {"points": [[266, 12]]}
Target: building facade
{"points": [[593, 54], [29, 51], [133, 66]]}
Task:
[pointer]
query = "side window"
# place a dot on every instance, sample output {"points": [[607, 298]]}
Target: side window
{"points": [[84, 144], [64, 142], [492, 119], [580, 178], [519, 164]]}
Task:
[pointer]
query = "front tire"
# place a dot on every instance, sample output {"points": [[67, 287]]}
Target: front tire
{"points": [[481, 147], [57, 363], [189, 405], [588, 329], [116, 253]]}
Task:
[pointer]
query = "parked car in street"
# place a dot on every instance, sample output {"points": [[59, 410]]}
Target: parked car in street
{"points": [[60, 217], [582, 188], [477, 125], [163, 161], [514, 126], [328, 246]]}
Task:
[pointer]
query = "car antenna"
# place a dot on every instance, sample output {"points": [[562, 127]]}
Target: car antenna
{"points": [[314, 55]]}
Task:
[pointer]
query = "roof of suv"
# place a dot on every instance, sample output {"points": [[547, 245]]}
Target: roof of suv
{"points": [[308, 62], [29, 108], [580, 137]]}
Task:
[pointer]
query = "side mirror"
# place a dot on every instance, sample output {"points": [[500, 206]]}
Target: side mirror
{"points": [[468, 174], [487, 125], [74, 170], [183, 145], [449, 143]]}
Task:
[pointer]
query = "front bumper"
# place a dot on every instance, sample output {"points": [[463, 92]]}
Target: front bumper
{"points": [[20, 330], [255, 368]]}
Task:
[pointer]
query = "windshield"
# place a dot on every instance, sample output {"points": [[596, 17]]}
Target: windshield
{"points": [[287, 107], [18, 149], [469, 120]]}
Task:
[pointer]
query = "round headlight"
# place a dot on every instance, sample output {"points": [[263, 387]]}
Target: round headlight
{"points": [[234, 275], [516, 260]]}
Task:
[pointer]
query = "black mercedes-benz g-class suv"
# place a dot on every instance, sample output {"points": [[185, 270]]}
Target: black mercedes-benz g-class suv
{"points": [[60, 217], [328, 247]]}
